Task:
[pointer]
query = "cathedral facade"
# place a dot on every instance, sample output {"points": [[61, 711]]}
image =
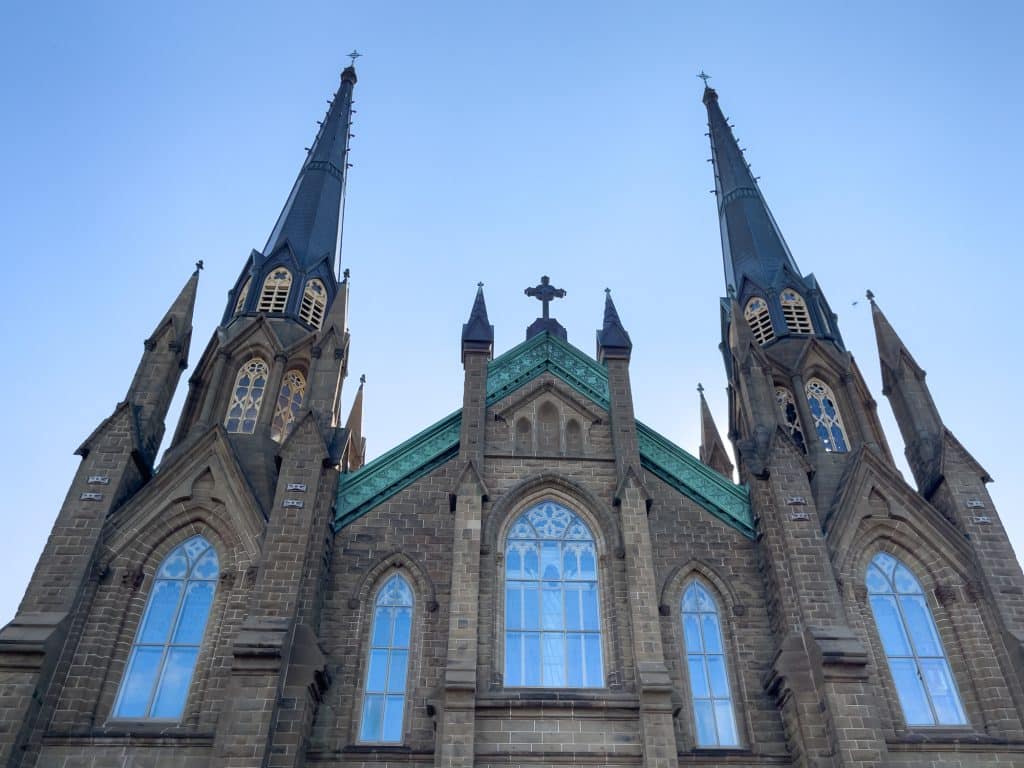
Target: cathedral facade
{"points": [[537, 579]]}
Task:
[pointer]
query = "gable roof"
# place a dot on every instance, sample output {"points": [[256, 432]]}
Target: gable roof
{"points": [[375, 482]]}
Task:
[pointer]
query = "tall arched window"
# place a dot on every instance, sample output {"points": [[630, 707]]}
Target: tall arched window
{"points": [[714, 720], [547, 430], [247, 397], [790, 416], [243, 294], [274, 296], [827, 421], [388, 664], [924, 683], [552, 614], [289, 403], [759, 320], [524, 437], [163, 657], [314, 300], [794, 310], [573, 438]]}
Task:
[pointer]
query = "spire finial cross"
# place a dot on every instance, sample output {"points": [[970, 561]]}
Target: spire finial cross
{"points": [[700, 387], [545, 292], [354, 55], [705, 77], [362, 379], [199, 265], [870, 296]]}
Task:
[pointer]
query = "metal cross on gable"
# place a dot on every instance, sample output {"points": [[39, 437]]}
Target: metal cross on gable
{"points": [[545, 292], [705, 77], [354, 55]]}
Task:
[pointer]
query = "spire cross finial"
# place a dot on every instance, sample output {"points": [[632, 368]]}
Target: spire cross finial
{"points": [[705, 77], [354, 55], [362, 379], [199, 265], [480, 285], [870, 296], [700, 387], [545, 292]]}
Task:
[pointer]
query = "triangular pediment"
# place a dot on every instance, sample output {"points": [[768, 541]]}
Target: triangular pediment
{"points": [[364, 489]]}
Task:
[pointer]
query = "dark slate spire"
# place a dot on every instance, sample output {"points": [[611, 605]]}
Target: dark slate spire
{"points": [[752, 243], [311, 217], [477, 332], [712, 449], [612, 339]]}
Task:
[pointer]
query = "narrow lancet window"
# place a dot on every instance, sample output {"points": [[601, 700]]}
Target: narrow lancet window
{"points": [[713, 715], [759, 320], [524, 437], [827, 421], [552, 612], [274, 296], [547, 430], [243, 294], [794, 310], [247, 397], [289, 404], [917, 661], [388, 664], [163, 656], [790, 417], [314, 300]]}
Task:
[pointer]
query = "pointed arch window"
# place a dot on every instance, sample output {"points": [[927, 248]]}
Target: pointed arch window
{"points": [[759, 320], [524, 437], [714, 719], [790, 416], [274, 296], [794, 310], [247, 397], [314, 301], [243, 294], [924, 683], [163, 657], [827, 421], [289, 404], [552, 610], [388, 664]]}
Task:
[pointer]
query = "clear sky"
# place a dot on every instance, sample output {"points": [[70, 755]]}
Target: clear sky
{"points": [[499, 142]]}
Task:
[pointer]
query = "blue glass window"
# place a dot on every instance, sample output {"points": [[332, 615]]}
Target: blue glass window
{"points": [[552, 611], [924, 683], [247, 397], [388, 664], [163, 656], [827, 421], [713, 716]]}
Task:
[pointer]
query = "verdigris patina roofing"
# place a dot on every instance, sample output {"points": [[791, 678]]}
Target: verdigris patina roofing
{"points": [[382, 478]]}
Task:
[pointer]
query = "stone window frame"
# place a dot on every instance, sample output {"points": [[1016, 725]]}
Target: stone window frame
{"points": [[276, 290], [301, 369], [759, 320], [840, 401], [259, 404], [548, 488], [243, 294], [313, 306], [670, 609], [795, 312]]}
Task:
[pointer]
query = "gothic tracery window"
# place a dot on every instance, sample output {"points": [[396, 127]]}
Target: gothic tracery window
{"points": [[794, 310], [760, 320], [387, 664], [247, 397], [243, 294], [917, 661], [314, 301], [713, 715], [552, 612], [827, 422], [274, 296], [163, 657], [791, 418], [289, 404]]}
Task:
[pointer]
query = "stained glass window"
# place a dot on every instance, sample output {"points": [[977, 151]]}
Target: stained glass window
{"points": [[790, 416], [760, 320], [314, 300], [713, 716], [552, 611], [388, 664], [917, 661], [827, 421], [289, 403], [794, 310], [163, 657], [274, 296], [247, 397]]}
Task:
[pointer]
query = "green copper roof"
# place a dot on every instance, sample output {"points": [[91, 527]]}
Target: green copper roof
{"points": [[360, 491]]}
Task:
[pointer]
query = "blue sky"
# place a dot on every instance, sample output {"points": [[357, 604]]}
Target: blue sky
{"points": [[499, 142]]}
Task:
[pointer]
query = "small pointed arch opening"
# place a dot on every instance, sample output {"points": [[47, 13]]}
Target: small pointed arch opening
{"points": [[917, 661], [289, 404], [387, 664], [828, 423], [524, 436], [707, 668], [314, 303], [274, 296], [794, 311], [247, 397], [759, 320], [166, 647], [547, 429], [573, 437], [243, 294], [790, 416]]}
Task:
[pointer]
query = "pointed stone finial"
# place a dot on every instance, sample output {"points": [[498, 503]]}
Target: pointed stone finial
{"points": [[712, 449], [612, 340], [477, 332], [354, 425]]}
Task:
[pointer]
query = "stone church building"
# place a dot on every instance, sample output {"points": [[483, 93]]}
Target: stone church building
{"points": [[537, 579]]}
